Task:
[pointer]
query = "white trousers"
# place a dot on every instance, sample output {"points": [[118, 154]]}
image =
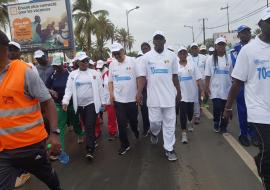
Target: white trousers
{"points": [[165, 118]]}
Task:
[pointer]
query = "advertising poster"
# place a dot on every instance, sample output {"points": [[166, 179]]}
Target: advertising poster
{"points": [[42, 25]]}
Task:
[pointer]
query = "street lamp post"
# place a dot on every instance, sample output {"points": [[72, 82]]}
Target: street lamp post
{"points": [[127, 12], [193, 40]]}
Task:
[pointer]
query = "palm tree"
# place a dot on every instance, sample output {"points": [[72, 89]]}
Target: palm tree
{"points": [[85, 20], [123, 38], [3, 14]]}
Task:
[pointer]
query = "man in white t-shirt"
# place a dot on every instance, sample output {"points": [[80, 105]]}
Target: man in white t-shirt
{"points": [[159, 68], [198, 60], [123, 89], [252, 69]]}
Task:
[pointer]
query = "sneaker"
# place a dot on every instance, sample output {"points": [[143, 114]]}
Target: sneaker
{"points": [[53, 158], [123, 150], [196, 120], [190, 127], [80, 140], [216, 128], [171, 155], [145, 133], [184, 138], [89, 155], [64, 158], [20, 181], [244, 140], [153, 139]]}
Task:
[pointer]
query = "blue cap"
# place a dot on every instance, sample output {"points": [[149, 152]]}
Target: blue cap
{"points": [[242, 27]]}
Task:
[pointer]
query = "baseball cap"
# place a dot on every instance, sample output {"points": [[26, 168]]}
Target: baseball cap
{"points": [[100, 64], [203, 47], [81, 55], [182, 48], [242, 27], [194, 44], [158, 32], [17, 45], [211, 49], [220, 39], [265, 14], [91, 62], [38, 54], [57, 59], [116, 47]]}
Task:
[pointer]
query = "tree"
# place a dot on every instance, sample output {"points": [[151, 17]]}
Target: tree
{"points": [[123, 38], [3, 14], [256, 32], [85, 20], [209, 42]]}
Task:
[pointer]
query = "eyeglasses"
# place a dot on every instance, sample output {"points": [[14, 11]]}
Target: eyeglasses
{"points": [[116, 53]]}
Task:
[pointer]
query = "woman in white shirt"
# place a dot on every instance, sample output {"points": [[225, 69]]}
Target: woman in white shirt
{"points": [[85, 86], [189, 77], [218, 82]]}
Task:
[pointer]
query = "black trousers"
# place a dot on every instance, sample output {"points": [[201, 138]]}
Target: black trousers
{"points": [[126, 113], [32, 159], [145, 117], [88, 115], [218, 109], [186, 113], [262, 160]]}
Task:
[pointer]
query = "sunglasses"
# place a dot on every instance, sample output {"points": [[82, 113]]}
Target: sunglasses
{"points": [[116, 53]]}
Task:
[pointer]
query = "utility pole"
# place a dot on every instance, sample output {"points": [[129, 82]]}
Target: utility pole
{"points": [[227, 8], [203, 19]]}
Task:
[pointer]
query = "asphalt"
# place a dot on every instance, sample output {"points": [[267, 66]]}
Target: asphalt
{"points": [[208, 162]]}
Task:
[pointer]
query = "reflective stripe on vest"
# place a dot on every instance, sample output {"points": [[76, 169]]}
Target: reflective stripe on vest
{"points": [[20, 111], [21, 128]]}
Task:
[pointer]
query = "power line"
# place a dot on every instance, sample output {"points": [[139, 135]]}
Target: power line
{"points": [[240, 18], [198, 35]]}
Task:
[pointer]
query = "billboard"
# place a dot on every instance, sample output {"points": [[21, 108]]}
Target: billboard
{"points": [[231, 37], [45, 25]]}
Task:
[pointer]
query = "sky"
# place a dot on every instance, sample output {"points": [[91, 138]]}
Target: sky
{"points": [[170, 16]]}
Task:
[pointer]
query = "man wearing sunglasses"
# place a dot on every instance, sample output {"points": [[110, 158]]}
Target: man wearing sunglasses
{"points": [[123, 89], [160, 67]]}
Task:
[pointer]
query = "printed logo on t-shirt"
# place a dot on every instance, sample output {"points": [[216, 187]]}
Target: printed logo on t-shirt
{"points": [[186, 78], [158, 71], [121, 78], [263, 73], [221, 72], [261, 61]]}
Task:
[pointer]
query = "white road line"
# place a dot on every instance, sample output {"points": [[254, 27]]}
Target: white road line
{"points": [[244, 155]]}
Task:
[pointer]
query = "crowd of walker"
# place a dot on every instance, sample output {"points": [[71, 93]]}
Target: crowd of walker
{"points": [[38, 102]]}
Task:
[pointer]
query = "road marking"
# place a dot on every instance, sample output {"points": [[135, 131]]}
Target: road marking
{"points": [[244, 155]]}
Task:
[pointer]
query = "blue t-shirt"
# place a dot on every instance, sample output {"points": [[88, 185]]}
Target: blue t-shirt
{"points": [[57, 82]]}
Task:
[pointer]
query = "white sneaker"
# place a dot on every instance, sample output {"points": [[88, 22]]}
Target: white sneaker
{"points": [[190, 127], [184, 138]]}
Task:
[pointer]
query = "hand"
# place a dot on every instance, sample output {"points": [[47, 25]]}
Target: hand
{"points": [[202, 95], [112, 99], [227, 114], [54, 93], [55, 144], [139, 98], [64, 107], [178, 97], [207, 92]]}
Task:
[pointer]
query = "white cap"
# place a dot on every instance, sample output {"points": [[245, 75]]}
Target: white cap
{"points": [[182, 48], [100, 64], [220, 39], [17, 45], [158, 32], [38, 54], [265, 14], [116, 47], [81, 55], [57, 59], [140, 53], [74, 59], [194, 44], [203, 47], [91, 62], [211, 49]]}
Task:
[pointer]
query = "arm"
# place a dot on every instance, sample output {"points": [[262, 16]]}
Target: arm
{"points": [[200, 86], [177, 86], [111, 92], [141, 81], [207, 84]]}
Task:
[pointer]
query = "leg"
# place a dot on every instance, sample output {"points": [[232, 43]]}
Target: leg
{"points": [[97, 127], [168, 127], [122, 123], [216, 113], [263, 158], [183, 115], [155, 118], [223, 123], [132, 115], [190, 111], [112, 124], [145, 117]]}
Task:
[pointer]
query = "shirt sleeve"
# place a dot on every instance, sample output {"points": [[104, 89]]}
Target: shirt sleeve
{"points": [[175, 65], [35, 87], [208, 67], [241, 67], [141, 67]]}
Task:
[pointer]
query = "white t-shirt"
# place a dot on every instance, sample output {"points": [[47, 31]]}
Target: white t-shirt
{"points": [[123, 76], [200, 62], [158, 69], [221, 81], [253, 67], [84, 89], [188, 75]]}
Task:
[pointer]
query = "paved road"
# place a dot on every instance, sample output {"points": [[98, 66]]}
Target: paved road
{"points": [[208, 162]]}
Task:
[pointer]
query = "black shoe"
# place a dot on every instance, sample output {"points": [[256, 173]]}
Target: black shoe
{"points": [[89, 155], [145, 133], [255, 142], [123, 150], [244, 140]]}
